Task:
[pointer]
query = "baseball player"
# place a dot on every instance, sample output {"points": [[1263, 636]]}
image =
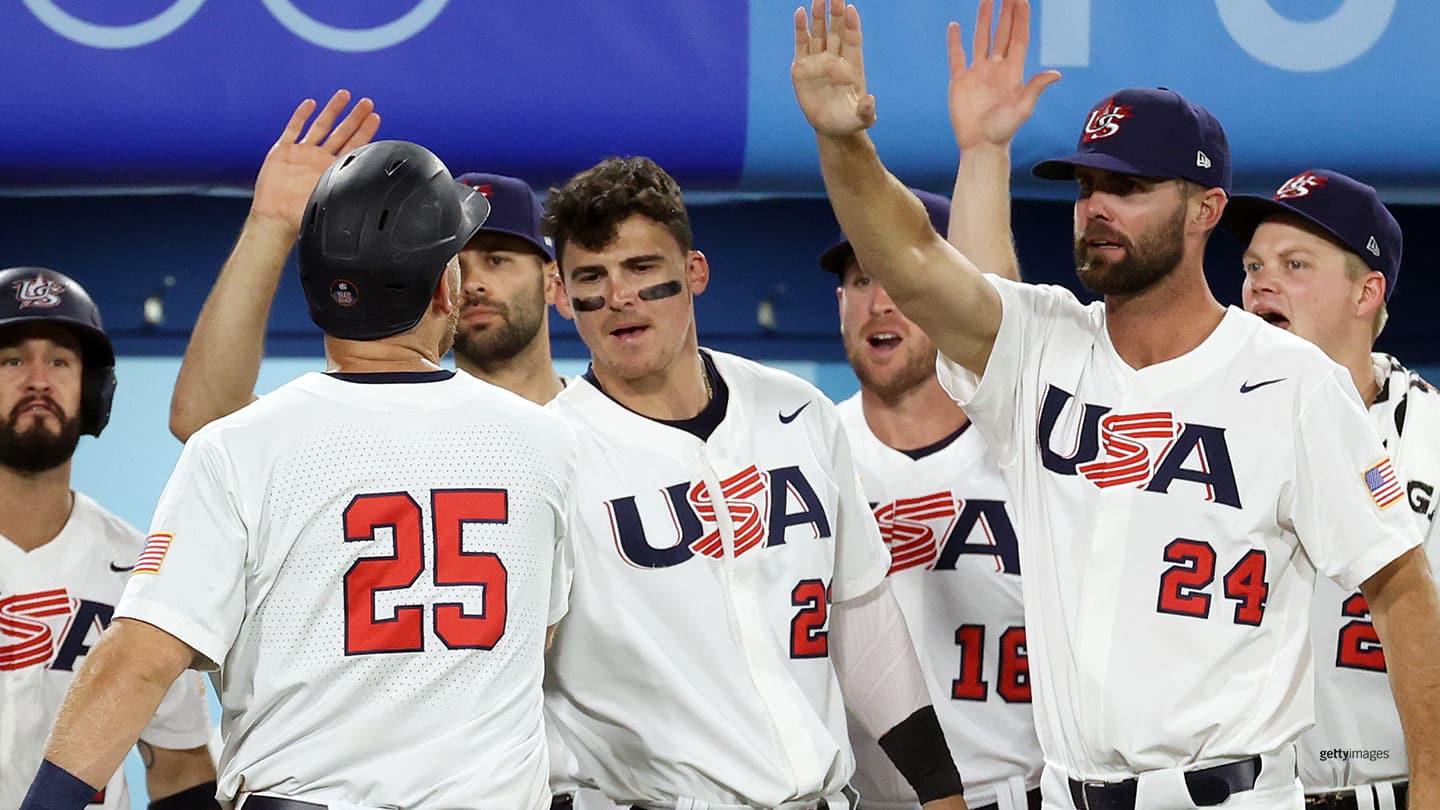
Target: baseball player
{"points": [[1322, 260], [64, 558], [507, 270], [943, 510], [370, 556], [510, 282], [1180, 470], [730, 580], [222, 361]]}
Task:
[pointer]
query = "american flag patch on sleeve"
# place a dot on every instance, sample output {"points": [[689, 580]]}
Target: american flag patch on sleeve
{"points": [[156, 547], [1384, 487]]}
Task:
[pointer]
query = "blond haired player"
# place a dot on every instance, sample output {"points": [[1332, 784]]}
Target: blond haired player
{"points": [[64, 559], [943, 510], [371, 555], [1322, 259], [1181, 470]]}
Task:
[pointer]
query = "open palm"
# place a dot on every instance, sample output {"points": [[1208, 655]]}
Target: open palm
{"points": [[829, 70], [294, 164], [990, 99]]}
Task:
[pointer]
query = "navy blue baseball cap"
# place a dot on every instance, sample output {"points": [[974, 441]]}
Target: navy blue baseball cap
{"points": [[514, 209], [834, 258], [1149, 132], [1341, 206]]}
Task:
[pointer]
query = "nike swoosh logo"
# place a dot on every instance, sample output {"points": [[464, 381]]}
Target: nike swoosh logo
{"points": [[1246, 387], [120, 569], [785, 420]]}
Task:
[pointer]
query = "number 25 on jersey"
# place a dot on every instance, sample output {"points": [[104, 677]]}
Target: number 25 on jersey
{"points": [[450, 511]]}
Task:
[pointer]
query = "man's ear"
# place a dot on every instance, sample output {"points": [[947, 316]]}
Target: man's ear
{"points": [[1211, 205], [446, 296], [1371, 296], [561, 299], [697, 272], [554, 289]]}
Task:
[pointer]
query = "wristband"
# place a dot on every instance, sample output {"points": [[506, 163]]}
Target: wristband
{"points": [[55, 788], [919, 752]]}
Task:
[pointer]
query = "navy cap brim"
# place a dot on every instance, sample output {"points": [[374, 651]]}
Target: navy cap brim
{"points": [[1244, 213], [834, 258], [1064, 168], [474, 210], [524, 237]]}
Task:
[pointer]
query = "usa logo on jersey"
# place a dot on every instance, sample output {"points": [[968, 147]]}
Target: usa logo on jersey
{"points": [[48, 627], [761, 506], [932, 531], [1149, 451]]}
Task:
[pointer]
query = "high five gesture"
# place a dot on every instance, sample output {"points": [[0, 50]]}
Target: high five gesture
{"points": [[829, 70], [989, 98]]}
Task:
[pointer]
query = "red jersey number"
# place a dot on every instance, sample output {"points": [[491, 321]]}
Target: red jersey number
{"points": [[397, 512]]}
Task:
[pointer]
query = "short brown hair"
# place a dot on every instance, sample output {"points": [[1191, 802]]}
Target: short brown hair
{"points": [[589, 208]]}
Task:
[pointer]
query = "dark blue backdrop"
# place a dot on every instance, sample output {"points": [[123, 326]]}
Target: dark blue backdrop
{"points": [[122, 248]]}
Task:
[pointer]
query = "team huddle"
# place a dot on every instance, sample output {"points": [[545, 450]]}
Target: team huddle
{"points": [[1141, 554]]}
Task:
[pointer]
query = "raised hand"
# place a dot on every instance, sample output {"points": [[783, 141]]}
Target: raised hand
{"points": [[990, 99], [829, 70], [294, 164]]}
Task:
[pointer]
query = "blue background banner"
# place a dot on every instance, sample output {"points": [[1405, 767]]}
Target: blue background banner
{"points": [[536, 88], [188, 93], [1297, 84]]}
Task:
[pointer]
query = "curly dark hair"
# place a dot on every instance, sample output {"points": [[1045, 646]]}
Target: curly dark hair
{"points": [[589, 208]]}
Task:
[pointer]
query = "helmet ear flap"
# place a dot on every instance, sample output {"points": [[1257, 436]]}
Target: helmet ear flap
{"points": [[97, 393]]}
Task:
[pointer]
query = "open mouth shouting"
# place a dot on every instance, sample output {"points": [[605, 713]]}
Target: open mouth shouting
{"points": [[1272, 315]]}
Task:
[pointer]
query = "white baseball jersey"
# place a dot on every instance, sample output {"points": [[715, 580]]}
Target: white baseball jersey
{"points": [[1173, 519], [373, 566], [1357, 737], [955, 570], [694, 663], [54, 603]]}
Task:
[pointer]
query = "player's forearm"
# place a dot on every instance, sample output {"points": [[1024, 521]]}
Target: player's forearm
{"points": [[112, 698], [935, 285], [980, 211], [887, 226], [1404, 605], [884, 688], [222, 362]]}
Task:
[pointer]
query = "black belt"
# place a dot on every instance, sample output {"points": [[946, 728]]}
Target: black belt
{"points": [[1345, 799], [565, 801], [820, 804], [277, 803], [1208, 787]]}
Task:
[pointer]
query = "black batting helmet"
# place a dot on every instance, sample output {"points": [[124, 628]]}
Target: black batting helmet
{"points": [[379, 229], [41, 295]]}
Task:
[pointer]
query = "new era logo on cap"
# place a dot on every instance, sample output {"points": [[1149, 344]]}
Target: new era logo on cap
{"points": [[1202, 160], [1373, 247]]}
